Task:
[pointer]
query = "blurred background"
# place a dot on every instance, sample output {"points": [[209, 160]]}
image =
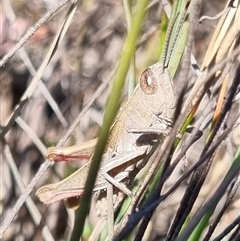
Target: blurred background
{"points": [[84, 60]]}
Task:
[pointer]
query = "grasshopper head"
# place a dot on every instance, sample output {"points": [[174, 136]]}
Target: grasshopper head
{"points": [[158, 94]]}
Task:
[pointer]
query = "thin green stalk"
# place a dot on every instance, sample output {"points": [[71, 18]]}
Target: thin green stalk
{"points": [[132, 69], [110, 114]]}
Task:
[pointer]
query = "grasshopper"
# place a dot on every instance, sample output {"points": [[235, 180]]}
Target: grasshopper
{"points": [[150, 107], [146, 117]]}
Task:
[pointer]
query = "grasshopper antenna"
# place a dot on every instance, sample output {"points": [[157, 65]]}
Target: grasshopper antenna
{"points": [[166, 57]]}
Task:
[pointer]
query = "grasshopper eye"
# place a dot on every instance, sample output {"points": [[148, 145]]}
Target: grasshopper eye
{"points": [[148, 82]]}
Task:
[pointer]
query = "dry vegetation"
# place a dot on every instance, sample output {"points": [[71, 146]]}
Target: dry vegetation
{"points": [[84, 60]]}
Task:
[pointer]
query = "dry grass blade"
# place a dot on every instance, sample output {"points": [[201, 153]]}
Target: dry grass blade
{"points": [[224, 35], [32, 135], [34, 83], [42, 87], [33, 210], [31, 32], [229, 199], [26, 96]]}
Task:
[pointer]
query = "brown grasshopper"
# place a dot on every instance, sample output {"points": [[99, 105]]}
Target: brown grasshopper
{"points": [[148, 113]]}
